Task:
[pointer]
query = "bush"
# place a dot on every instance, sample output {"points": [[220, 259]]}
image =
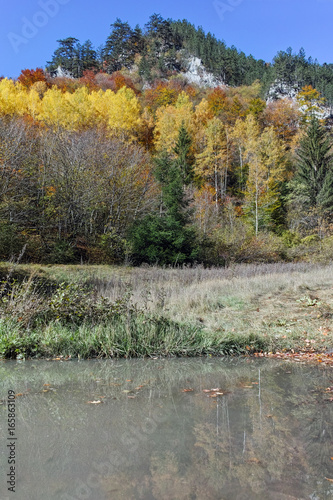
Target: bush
{"points": [[266, 247], [290, 239], [163, 241], [11, 241], [115, 248], [62, 252]]}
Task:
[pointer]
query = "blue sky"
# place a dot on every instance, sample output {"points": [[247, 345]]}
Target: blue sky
{"points": [[29, 28]]}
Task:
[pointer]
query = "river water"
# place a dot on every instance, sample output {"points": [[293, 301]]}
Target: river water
{"points": [[219, 429]]}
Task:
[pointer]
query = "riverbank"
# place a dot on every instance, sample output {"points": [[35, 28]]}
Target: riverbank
{"points": [[105, 311]]}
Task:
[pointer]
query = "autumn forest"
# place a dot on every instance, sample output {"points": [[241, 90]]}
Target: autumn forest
{"points": [[116, 156]]}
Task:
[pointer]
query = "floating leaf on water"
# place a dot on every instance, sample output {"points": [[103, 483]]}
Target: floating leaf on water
{"points": [[253, 460]]}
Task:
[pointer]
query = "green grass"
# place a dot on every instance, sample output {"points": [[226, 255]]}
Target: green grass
{"points": [[134, 336]]}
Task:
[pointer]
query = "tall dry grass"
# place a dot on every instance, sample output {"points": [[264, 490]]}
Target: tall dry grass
{"points": [[209, 295]]}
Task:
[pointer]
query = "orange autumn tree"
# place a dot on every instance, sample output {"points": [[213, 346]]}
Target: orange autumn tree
{"points": [[163, 94], [30, 76], [217, 101], [284, 116]]}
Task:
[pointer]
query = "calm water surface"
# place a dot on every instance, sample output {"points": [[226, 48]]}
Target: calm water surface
{"points": [[155, 430]]}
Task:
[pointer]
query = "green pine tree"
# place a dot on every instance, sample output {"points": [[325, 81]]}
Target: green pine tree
{"points": [[166, 237], [313, 183], [67, 56], [184, 157], [118, 48], [88, 56]]}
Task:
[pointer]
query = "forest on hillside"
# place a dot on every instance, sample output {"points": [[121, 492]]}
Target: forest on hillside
{"points": [[162, 49], [121, 159]]}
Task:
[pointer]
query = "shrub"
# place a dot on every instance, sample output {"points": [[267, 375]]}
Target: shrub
{"points": [[266, 247], [62, 252], [11, 241]]}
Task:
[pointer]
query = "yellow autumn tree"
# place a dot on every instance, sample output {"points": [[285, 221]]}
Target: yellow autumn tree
{"points": [[264, 155], [169, 120], [120, 111], [55, 110], [202, 115], [211, 162], [33, 102], [13, 98], [238, 137]]}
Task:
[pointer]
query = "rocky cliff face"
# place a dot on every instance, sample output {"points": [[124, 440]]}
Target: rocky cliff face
{"points": [[197, 73], [281, 90], [61, 72]]}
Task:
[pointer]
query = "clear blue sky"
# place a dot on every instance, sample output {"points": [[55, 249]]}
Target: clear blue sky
{"points": [[29, 28]]}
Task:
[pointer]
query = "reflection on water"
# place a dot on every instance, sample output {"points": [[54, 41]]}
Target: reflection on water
{"points": [[155, 430]]}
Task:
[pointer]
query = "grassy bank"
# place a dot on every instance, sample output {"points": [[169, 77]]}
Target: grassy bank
{"points": [[104, 311]]}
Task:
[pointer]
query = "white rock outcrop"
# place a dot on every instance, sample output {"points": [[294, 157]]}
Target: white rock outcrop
{"points": [[61, 72], [196, 73]]}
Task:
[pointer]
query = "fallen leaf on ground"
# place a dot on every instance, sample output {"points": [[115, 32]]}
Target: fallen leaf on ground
{"points": [[94, 402], [187, 390]]}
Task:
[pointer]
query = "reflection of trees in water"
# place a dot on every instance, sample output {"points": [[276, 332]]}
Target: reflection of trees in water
{"points": [[314, 415], [253, 444], [248, 444]]}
